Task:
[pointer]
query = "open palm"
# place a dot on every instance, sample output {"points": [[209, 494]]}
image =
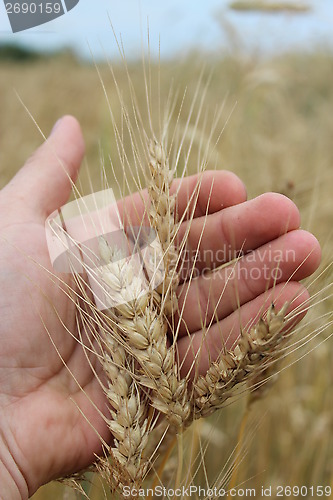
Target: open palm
{"points": [[43, 433]]}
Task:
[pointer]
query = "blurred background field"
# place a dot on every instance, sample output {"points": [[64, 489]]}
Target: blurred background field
{"points": [[278, 137]]}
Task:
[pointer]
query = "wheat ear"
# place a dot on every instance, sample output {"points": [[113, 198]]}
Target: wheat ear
{"points": [[162, 219], [254, 353], [128, 405], [159, 371]]}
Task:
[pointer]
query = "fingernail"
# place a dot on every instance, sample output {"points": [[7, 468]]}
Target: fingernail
{"points": [[56, 125]]}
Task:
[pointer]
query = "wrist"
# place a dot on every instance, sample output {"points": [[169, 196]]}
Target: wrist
{"points": [[13, 485]]}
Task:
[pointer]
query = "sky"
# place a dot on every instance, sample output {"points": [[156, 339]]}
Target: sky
{"points": [[181, 25]]}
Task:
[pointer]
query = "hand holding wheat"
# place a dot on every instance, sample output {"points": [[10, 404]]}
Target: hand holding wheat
{"points": [[43, 434]]}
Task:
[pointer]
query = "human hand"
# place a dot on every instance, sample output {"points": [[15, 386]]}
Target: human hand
{"points": [[43, 433]]}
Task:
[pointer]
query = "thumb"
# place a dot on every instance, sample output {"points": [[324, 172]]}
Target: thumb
{"points": [[44, 183]]}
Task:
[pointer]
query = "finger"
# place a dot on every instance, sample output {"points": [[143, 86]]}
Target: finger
{"points": [[210, 192], [206, 347], [205, 193], [219, 238], [292, 256], [45, 181]]}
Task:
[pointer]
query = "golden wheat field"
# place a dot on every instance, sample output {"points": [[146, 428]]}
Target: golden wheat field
{"points": [[276, 118]]}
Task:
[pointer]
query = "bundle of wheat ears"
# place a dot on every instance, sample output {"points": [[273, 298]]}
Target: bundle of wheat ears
{"points": [[126, 290], [133, 328]]}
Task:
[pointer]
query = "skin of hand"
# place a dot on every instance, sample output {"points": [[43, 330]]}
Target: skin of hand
{"points": [[43, 433]]}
